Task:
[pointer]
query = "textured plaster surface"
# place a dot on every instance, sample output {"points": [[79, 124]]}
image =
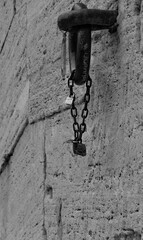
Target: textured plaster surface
{"points": [[47, 192]]}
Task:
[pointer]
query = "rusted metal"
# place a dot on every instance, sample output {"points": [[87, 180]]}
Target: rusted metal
{"points": [[79, 22], [95, 18]]}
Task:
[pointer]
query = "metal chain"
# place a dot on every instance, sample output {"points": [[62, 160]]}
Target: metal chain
{"points": [[79, 129]]}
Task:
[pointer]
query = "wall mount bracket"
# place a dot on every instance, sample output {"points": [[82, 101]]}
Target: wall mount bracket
{"points": [[96, 19], [79, 22]]}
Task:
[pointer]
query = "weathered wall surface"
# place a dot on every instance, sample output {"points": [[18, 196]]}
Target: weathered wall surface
{"points": [[47, 192]]}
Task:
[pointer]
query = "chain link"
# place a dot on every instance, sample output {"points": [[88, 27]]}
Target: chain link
{"points": [[79, 129]]}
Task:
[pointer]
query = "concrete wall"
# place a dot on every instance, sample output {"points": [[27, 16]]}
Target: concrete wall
{"points": [[47, 192]]}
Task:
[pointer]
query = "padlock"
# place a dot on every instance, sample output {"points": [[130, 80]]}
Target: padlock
{"points": [[79, 148], [69, 100]]}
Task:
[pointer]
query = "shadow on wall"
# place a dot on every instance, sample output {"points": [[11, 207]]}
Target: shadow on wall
{"points": [[128, 234]]}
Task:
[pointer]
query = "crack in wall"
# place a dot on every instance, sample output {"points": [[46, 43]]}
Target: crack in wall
{"points": [[137, 11], [45, 237], [8, 155], [59, 219], [14, 6], [48, 192], [5, 39], [141, 27]]}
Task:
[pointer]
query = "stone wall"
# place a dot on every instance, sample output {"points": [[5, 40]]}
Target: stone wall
{"points": [[47, 192]]}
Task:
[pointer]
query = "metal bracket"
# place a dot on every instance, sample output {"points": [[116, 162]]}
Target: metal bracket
{"points": [[79, 22], [96, 19]]}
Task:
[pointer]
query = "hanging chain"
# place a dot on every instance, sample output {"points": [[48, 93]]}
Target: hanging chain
{"points": [[79, 129]]}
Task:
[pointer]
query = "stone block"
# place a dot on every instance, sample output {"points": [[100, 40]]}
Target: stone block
{"points": [[21, 191]]}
